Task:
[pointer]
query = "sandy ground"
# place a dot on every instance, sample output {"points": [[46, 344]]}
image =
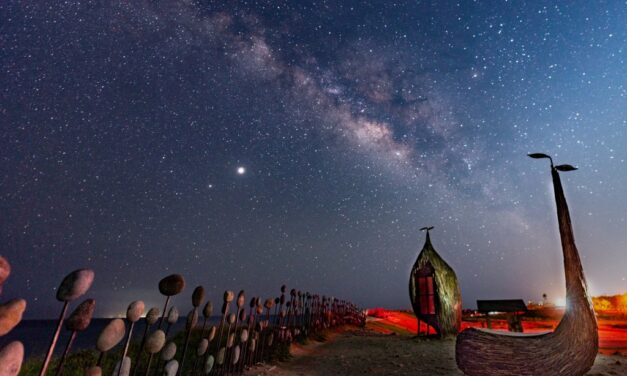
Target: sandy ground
{"points": [[353, 351]]}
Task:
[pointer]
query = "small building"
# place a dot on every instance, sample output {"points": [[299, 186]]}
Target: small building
{"points": [[434, 292], [512, 308]]}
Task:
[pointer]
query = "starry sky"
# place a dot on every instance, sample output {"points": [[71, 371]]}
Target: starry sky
{"points": [[255, 143]]}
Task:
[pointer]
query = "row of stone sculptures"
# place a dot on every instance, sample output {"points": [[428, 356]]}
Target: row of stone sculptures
{"points": [[241, 339]]}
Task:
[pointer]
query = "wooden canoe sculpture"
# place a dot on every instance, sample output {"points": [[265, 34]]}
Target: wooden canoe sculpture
{"points": [[434, 292], [569, 350]]}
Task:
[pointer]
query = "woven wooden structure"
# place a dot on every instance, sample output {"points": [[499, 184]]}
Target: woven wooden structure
{"points": [[434, 293], [569, 350]]}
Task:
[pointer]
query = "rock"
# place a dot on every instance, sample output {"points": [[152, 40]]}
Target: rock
{"points": [[208, 310], [192, 319], [111, 335], [243, 336], [75, 285], [241, 299], [126, 367], [235, 355], [169, 351], [212, 333], [155, 341], [94, 371], [173, 316], [230, 341], [11, 314], [81, 317], [220, 356], [202, 347], [172, 285], [269, 303], [228, 296], [11, 357], [198, 296], [135, 311], [5, 271], [209, 364], [152, 316], [171, 368]]}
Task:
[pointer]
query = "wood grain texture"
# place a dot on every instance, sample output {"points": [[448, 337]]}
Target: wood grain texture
{"points": [[569, 350]]}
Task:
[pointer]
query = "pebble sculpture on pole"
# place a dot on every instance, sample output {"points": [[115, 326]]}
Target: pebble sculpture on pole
{"points": [[12, 355], [198, 296], [154, 344], [133, 313], [73, 286], [151, 318], [170, 286], [110, 336], [78, 321]]}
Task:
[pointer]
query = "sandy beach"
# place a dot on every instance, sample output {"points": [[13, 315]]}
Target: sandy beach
{"points": [[367, 351]]}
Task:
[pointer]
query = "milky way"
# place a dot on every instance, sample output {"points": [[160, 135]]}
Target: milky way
{"points": [[124, 128]]}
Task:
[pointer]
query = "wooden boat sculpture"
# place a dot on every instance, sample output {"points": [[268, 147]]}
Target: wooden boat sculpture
{"points": [[434, 292], [569, 350]]}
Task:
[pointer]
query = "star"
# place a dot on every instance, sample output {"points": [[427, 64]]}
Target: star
{"points": [[241, 170]]}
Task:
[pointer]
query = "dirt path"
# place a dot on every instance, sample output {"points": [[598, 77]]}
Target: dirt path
{"points": [[366, 352]]}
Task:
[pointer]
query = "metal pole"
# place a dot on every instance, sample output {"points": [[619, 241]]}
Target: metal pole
{"points": [[65, 353], [53, 343], [128, 342]]}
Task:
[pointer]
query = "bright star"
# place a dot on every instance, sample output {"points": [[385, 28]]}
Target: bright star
{"points": [[241, 170]]}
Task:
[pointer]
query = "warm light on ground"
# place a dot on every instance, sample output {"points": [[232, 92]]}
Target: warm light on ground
{"points": [[612, 331]]}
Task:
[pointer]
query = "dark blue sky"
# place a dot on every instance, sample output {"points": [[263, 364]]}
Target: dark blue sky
{"points": [[123, 127]]}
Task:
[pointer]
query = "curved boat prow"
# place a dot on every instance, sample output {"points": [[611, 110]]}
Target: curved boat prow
{"points": [[569, 350]]}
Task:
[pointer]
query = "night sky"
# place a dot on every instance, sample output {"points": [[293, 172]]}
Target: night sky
{"points": [[250, 144]]}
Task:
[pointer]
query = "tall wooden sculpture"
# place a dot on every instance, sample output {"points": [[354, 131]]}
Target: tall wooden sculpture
{"points": [[569, 350], [434, 292]]}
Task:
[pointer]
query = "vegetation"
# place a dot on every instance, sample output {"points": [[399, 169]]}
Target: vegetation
{"points": [[616, 303]]}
